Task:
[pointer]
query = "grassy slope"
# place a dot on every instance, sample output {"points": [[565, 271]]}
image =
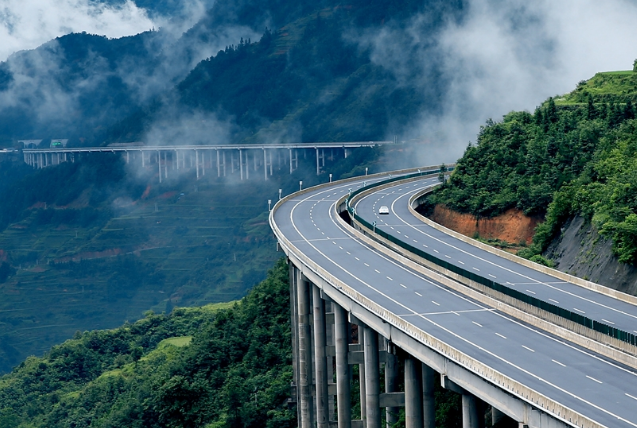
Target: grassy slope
{"points": [[610, 86]]}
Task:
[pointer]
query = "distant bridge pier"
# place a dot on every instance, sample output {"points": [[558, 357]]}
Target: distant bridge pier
{"points": [[198, 158]]}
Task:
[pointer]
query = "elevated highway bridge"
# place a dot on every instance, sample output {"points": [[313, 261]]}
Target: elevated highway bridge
{"points": [[499, 331], [222, 159]]}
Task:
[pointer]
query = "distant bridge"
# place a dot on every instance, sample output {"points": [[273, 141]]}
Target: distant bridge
{"points": [[201, 157]]}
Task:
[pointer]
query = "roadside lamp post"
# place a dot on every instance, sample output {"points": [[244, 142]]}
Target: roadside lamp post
{"points": [[269, 204], [374, 227], [366, 170], [280, 190], [330, 178], [300, 185]]}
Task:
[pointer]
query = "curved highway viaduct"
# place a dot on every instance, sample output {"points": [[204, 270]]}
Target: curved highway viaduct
{"points": [[526, 368]]}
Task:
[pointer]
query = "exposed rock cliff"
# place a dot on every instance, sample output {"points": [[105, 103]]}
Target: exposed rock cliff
{"points": [[582, 251], [512, 226], [579, 250]]}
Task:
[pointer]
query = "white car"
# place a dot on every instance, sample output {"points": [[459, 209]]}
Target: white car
{"points": [[383, 210]]}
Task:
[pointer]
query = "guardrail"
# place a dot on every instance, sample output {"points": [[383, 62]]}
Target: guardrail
{"points": [[513, 387], [594, 325]]}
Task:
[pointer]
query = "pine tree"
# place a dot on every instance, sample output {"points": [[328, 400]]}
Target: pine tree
{"points": [[539, 117], [551, 111], [629, 111], [591, 111]]}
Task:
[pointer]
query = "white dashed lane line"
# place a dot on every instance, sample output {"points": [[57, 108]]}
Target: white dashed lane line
{"points": [[492, 276], [527, 348], [389, 279], [366, 264], [479, 325], [475, 268], [529, 291], [377, 271], [403, 285], [594, 380], [558, 363], [554, 301], [435, 303], [418, 293], [498, 334], [609, 322], [579, 310]]}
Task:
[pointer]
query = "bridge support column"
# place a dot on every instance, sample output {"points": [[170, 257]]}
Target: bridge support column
{"points": [[270, 163], [294, 318], [265, 165], [197, 162], [391, 382], [159, 164], [165, 165], [361, 374], [320, 359], [241, 162], [372, 378], [470, 414], [496, 416], [428, 398], [343, 393], [318, 168], [218, 164], [413, 393], [305, 353]]}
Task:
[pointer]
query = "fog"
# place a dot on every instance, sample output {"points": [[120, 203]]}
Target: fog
{"points": [[504, 56], [26, 24]]}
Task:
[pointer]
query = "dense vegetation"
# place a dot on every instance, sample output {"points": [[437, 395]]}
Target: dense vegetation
{"points": [[91, 244], [308, 78], [565, 159], [213, 366]]}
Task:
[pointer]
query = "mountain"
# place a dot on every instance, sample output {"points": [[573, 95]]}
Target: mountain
{"points": [[572, 163], [258, 70]]}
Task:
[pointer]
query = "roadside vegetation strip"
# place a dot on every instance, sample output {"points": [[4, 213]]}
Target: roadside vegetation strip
{"points": [[595, 325]]}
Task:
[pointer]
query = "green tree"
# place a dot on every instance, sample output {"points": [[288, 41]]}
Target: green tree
{"points": [[635, 65]]}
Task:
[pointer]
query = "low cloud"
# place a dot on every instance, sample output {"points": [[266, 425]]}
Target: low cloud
{"points": [[502, 56], [26, 24]]}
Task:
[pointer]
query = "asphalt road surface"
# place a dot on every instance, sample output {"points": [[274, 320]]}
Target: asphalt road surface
{"points": [[402, 224], [591, 385]]}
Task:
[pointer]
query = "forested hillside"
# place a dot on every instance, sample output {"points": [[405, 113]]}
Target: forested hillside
{"points": [[254, 70], [93, 243], [574, 156], [215, 366]]}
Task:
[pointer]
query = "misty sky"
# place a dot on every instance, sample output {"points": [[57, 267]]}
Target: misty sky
{"points": [[504, 55], [26, 24]]}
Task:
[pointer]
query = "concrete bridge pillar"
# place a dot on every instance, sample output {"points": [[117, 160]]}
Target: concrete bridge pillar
{"points": [[391, 382], [320, 359], [372, 378], [428, 398], [470, 413], [413, 393], [496, 416], [305, 353], [343, 392]]}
